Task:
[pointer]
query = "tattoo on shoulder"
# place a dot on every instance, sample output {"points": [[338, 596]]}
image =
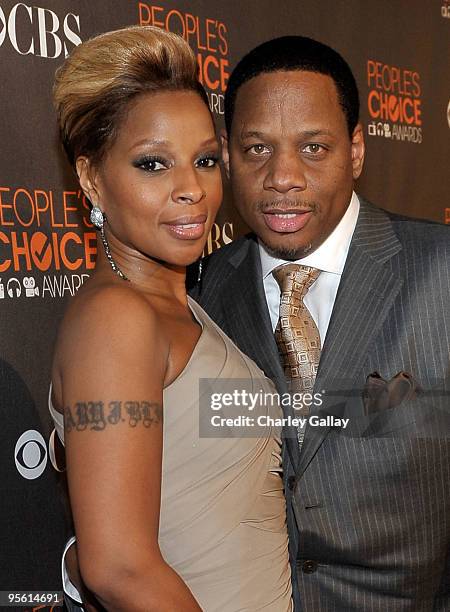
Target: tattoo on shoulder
{"points": [[96, 416]]}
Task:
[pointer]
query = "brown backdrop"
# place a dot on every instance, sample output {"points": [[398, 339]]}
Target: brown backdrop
{"points": [[399, 53]]}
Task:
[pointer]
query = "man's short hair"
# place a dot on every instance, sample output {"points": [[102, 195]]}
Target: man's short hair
{"points": [[296, 53]]}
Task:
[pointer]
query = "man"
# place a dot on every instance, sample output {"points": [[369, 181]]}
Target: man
{"points": [[369, 505]]}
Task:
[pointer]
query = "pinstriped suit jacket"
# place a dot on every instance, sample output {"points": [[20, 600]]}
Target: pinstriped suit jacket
{"points": [[369, 508]]}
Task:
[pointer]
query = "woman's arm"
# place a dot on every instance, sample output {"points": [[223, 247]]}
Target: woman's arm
{"points": [[73, 571], [112, 362]]}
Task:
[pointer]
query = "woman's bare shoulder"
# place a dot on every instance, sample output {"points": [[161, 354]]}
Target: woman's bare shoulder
{"points": [[106, 323], [109, 307]]}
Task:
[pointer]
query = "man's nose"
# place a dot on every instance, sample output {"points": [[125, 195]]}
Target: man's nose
{"points": [[188, 188], [286, 172]]}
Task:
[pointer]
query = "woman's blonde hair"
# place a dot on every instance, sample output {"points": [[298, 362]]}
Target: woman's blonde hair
{"points": [[95, 85]]}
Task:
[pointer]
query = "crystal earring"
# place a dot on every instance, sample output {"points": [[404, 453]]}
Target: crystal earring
{"points": [[199, 272], [97, 217]]}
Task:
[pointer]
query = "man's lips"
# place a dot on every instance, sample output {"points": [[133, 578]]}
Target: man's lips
{"points": [[286, 221], [187, 227]]}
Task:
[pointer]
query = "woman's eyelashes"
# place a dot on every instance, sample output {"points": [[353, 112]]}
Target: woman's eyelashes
{"points": [[208, 160], [151, 163], [156, 163]]}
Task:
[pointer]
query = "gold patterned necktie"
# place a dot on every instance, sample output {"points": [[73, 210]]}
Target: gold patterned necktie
{"points": [[296, 333]]}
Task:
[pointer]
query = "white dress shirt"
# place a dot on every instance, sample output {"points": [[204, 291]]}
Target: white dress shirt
{"points": [[329, 258]]}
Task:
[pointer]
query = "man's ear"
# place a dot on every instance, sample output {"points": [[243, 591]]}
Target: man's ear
{"points": [[87, 176], [358, 150], [225, 152]]}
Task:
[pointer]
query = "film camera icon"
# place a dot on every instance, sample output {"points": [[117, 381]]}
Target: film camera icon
{"points": [[29, 285]]}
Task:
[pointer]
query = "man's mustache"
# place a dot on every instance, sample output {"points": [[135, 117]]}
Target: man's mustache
{"points": [[288, 204]]}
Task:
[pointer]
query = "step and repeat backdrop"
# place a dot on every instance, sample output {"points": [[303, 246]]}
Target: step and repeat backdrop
{"points": [[399, 54]]}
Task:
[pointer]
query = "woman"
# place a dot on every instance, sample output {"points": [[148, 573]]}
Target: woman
{"points": [[165, 519]]}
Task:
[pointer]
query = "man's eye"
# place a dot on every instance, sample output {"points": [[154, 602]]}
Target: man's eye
{"points": [[313, 148], [209, 161], [258, 149]]}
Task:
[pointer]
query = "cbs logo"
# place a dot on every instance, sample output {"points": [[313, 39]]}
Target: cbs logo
{"points": [[30, 454], [39, 31]]}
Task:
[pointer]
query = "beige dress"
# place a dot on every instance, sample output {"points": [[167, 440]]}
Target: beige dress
{"points": [[223, 513]]}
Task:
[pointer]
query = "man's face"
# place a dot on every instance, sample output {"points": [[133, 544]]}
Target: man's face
{"points": [[290, 159]]}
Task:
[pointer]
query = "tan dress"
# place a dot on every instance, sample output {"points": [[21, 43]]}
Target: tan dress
{"points": [[223, 514]]}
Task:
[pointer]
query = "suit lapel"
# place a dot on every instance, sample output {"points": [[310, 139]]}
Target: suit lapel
{"points": [[366, 293], [248, 322], [245, 309]]}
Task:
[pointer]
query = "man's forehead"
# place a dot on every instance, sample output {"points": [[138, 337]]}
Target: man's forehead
{"points": [[281, 79], [283, 87], [278, 97]]}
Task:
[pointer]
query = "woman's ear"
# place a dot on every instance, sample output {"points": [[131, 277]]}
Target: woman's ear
{"points": [[87, 176]]}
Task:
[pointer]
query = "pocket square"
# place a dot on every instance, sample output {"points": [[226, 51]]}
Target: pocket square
{"points": [[379, 394]]}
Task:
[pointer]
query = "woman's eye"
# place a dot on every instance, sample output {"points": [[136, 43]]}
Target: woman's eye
{"points": [[151, 164], [209, 161], [258, 149]]}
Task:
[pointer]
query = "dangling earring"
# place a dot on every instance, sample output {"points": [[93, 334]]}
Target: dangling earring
{"points": [[199, 275], [98, 219], [113, 264]]}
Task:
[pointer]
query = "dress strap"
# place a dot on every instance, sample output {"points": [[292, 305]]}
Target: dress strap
{"points": [[57, 417]]}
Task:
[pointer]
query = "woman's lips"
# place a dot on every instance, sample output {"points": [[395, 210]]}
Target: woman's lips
{"points": [[188, 228], [286, 222]]}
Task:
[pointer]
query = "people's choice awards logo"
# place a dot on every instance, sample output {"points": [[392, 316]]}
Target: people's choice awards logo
{"points": [[394, 102], [30, 454], [34, 30], [208, 37], [44, 231]]}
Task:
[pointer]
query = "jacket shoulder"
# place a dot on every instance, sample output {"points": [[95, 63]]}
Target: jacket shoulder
{"points": [[418, 235], [422, 235], [217, 266]]}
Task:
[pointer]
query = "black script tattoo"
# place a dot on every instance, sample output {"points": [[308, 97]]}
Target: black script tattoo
{"points": [[134, 412], [94, 416], [151, 413], [115, 412], [69, 423]]}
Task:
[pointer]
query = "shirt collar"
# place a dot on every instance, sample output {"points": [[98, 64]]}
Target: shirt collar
{"points": [[330, 256]]}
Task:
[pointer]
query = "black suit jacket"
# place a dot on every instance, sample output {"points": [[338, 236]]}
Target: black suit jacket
{"points": [[368, 508]]}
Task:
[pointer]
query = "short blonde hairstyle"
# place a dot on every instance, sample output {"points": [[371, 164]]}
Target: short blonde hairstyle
{"points": [[100, 78]]}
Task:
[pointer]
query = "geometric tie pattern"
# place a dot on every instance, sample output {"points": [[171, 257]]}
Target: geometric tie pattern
{"points": [[296, 333]]}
